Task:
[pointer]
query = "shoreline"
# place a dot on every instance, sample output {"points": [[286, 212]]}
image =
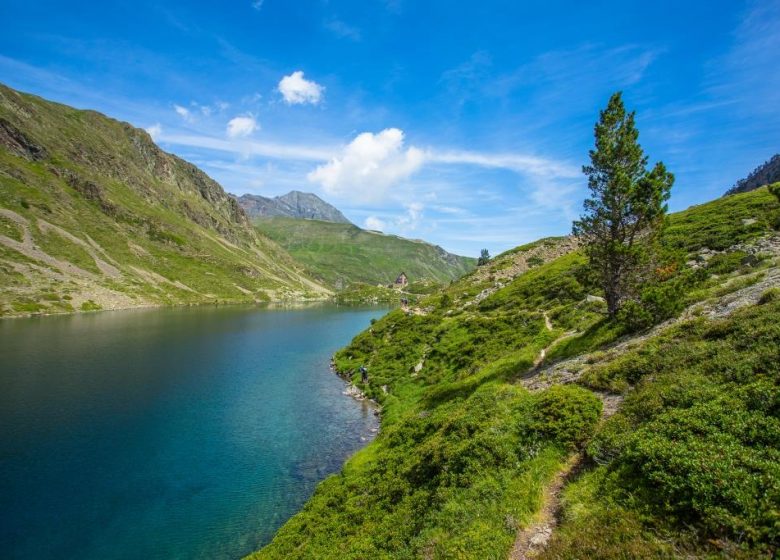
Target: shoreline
{"points": [[269, 304], [355, 392]]}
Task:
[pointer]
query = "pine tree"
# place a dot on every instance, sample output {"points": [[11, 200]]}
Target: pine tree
{"points": [[484, 258], [627, 205]]}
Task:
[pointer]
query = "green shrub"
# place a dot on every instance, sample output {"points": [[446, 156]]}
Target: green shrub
{"points": [[724, 263], [696, 444], [769, 296], [90, 305], [635, 317], [567, 414], [774, 188], [715, 464]]}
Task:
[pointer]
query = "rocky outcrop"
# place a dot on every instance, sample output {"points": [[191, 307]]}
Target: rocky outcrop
{"points": [[17, 143], [765, 174]]}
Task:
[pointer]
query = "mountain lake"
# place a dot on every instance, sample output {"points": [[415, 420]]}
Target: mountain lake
{"points": [[178, 433]]}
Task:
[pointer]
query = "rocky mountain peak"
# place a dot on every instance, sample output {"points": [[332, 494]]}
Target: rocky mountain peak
{"points": [[294, 204]]}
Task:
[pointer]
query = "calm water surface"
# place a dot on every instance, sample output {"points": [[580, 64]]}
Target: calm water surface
{"points": [[175, 433]]}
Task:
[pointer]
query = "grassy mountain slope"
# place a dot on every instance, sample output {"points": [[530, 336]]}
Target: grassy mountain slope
{"points": [[94, 215], [342, 254], [498, 384]]}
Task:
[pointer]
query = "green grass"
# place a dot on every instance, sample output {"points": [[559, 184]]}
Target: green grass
{"points": [[723, 222], [10, 229], [342, 254]]}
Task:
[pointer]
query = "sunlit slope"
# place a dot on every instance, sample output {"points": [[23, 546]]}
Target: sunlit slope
{"points": [[494, 387], [343, 254], [94, 215]]}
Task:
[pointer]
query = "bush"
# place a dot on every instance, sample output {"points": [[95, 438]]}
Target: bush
{"points": [[567, 414], [727, 262], [90, 305], [697, 441], [769, 296], [775, 190], [633, 316], [534, 261], [713, 464]]}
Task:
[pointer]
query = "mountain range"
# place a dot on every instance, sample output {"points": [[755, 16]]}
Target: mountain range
{"points": [[294, 204], [94, 215]]}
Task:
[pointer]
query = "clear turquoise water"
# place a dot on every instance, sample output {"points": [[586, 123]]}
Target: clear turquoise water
{"points": [[175, 433]]}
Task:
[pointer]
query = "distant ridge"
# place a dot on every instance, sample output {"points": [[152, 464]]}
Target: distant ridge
{"points": [[294, 204], [765, 174]]}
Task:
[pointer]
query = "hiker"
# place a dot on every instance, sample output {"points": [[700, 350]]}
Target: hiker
{"points": [[364, 374]]}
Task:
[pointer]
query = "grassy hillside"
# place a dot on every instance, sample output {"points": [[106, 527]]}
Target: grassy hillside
{"points": [[94, 215], [343, 254], [497, 386]]}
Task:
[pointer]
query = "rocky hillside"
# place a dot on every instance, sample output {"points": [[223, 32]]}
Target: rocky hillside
{"points": [[294, 204], [94, 215], [341, 255], [765, 174], [519, 421]]}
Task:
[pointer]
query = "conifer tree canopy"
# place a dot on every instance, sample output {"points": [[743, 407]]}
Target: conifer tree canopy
{"points": [[627, 203]]}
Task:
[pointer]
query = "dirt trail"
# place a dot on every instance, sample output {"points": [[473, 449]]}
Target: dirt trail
{"points": [[532, 540], [543, 352]]}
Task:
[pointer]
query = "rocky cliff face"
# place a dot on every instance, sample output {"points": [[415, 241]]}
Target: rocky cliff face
{"points": [[294, 204], [765, 174]]}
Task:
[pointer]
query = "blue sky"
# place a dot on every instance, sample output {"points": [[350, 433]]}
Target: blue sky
{"points": [[462, 123]]}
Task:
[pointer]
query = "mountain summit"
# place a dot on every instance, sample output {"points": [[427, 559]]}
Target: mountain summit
{"points": [[294, 204]]}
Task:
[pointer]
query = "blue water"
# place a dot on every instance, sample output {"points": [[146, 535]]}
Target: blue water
{"points": [[175, 433]]}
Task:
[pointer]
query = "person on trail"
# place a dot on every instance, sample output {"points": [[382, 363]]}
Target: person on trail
{"points": [[363, 374]]}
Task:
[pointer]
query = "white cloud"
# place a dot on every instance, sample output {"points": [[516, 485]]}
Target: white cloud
{"points": [[273, 150], [369, 166], [183, 112], [240, 127], [412, 218], [449, 210], [374, 223], [155, 131], [342, 29], [297, 90], [258, 4], [520, 163]]}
